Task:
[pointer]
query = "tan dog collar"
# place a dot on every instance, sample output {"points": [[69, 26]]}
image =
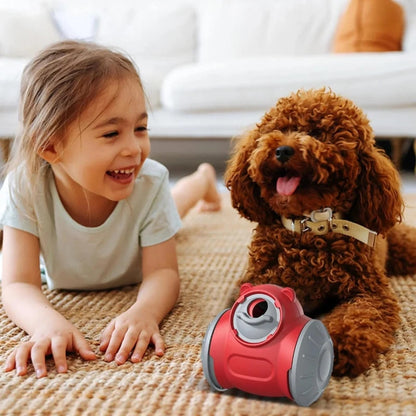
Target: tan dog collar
{"points": [[320, 222]]}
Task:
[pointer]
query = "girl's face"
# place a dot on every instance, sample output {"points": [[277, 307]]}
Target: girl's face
{"points": [[105, 148]]}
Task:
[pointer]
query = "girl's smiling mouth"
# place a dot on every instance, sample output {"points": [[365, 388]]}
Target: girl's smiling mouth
{"points": [[121, 174]]}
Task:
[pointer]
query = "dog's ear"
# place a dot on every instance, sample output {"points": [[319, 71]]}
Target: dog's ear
{"points": [[245, 194], [379, 204]]}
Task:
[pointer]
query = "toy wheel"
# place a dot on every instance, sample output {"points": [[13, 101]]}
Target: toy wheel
{"points": [[312, 365], [207, 360]]}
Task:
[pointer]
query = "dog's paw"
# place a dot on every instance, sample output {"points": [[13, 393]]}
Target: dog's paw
{"points": [[360, 334]]}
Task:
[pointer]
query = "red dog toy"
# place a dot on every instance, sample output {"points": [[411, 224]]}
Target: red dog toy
{"points": [[265, 345]]}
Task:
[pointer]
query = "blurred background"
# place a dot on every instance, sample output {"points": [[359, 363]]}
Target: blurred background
{"points": [[212, 68]]}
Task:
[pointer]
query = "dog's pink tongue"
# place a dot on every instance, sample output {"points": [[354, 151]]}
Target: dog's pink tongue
{"points": [[286, 185]]}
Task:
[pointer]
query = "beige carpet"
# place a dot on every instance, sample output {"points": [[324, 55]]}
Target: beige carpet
{"points": [[212, 251]]}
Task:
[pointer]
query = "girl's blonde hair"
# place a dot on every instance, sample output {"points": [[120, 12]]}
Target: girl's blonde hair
{"points": [[57, 86]]}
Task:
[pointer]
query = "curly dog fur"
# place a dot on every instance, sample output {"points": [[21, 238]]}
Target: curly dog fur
{"points": [[334, 162]]}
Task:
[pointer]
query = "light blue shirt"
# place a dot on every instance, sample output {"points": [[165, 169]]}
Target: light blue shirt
{"points": [[90, 258]]}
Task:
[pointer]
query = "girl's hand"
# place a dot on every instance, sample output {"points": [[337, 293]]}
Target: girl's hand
{"points": [[131, 332], [46, 341]]}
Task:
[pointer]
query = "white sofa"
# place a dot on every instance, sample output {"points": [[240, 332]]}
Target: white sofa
{"points": [[211, 69]]}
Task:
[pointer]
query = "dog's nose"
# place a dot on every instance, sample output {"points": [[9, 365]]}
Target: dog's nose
{"points": [[284, 153]]}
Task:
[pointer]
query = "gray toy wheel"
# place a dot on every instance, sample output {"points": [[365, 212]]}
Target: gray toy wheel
{"points": [[207, 361], [312, 365]]}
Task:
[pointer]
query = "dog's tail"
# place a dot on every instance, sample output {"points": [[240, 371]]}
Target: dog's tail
{"points": [[401, 257]]}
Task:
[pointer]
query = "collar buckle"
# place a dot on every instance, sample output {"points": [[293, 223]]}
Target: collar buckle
{"points": [[324, 214]]}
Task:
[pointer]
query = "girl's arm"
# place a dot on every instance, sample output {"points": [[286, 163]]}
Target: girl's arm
{"points": [[27, 306], [135, 329]]}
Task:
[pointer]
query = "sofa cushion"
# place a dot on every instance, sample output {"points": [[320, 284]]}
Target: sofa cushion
{"points": [[370, 79], [157, 35], [409, 39], [370, 26], [10, 74], [23, 33], [231, 29], [75, 23]]}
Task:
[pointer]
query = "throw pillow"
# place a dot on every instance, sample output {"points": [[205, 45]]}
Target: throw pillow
{"points": [[370, 26]]}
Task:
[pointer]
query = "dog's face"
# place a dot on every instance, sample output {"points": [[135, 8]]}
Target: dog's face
{"points": [[303, 168], [312, 150]]}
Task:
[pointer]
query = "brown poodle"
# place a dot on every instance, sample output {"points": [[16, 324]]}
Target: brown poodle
{"points": [[327, 202]]}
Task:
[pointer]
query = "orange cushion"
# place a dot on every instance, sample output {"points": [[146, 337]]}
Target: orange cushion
{"points": [[370, 26]]}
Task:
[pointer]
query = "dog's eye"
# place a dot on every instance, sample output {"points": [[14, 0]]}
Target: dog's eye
{"points": [[315, 133]]}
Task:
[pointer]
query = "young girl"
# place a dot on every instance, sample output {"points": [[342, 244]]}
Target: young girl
{"points": [[84, 207]]}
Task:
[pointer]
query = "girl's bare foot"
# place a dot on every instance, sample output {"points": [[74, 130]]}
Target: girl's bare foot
{"points": [[211, 201], [197, 190]]}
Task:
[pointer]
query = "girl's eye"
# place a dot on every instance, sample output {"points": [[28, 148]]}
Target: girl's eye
{"points": [[115, 133], [111, 134]]}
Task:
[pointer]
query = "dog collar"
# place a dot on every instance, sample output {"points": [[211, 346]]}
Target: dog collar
{"points": [[320, 222]]}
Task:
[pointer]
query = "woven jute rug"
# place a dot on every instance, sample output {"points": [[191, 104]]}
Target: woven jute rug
{"points": [[212, 250]]}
